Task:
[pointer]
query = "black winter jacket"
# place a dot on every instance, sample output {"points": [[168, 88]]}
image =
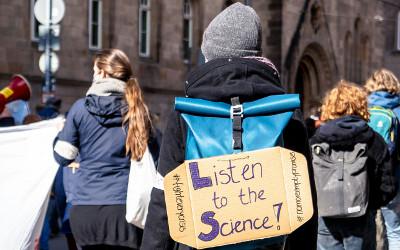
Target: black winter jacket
{"points": [[219, 80], [347, 131]]}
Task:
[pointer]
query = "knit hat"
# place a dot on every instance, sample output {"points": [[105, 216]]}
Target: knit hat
{"points": [[235, 32]]}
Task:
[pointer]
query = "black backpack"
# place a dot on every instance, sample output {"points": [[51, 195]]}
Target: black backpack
{"points": [[341, 180]]}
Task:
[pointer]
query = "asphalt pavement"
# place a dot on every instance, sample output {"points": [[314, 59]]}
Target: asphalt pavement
{"points": [[58, 242]]}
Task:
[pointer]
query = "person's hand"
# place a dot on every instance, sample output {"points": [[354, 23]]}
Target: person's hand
{"points": [[74, 165], [36, 245], [5, 113]]}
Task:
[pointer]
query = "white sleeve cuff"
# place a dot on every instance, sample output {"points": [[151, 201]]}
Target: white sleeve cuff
{"points": [[66, 150]]}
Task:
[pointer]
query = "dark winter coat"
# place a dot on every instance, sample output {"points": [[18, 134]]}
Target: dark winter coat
{"points": [[347, 131], [219, 80], [7, 122], [94, 129]]}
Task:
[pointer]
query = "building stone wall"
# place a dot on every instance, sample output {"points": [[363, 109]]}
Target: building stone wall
{"points": [[315, 41], [390, 10], [308, 40]]}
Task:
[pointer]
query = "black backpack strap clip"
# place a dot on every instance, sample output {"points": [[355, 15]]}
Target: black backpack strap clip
{"points": [[236, 116]]}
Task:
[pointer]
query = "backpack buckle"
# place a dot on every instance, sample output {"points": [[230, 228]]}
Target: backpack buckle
{"points": [[236, 110]]}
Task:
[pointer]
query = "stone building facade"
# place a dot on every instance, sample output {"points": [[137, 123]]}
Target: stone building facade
{"points": [[325, 41], [314, 43]]}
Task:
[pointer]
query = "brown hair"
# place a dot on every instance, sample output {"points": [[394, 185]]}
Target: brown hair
{"points": [[116, 64], [345, 99], [31, 118], [383, 80]]}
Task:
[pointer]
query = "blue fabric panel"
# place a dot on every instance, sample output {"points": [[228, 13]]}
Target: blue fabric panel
{"points": [[272, 104], [207, 136], [264, 131], [202, 107], [212, 136]]}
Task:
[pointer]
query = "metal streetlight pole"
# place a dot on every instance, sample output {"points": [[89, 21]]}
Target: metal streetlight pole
{"points": [[47, 88]]}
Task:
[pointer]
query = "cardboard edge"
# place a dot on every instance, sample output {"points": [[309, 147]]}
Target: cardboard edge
{"points": [[299, 215], [172, 206], [285, 179]]}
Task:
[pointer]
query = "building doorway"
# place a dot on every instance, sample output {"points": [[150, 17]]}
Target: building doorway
{"points": [[313, 78]]}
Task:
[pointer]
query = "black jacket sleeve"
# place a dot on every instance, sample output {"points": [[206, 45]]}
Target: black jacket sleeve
{"points": [[383, 184], [295, 138], [172, 154]]}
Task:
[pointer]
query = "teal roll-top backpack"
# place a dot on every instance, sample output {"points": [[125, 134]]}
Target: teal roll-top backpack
{"points": [[217, 128]]}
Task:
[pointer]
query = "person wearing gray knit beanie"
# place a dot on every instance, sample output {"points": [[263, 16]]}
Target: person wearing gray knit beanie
{"points": [[235, 32]]}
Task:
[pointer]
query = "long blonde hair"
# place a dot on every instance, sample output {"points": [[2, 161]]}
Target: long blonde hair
{"points": [[116, 64], [345, 99], [138, 118], [383, 80]]}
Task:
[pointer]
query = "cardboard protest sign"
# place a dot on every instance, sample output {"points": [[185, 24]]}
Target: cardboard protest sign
{"points": [[240, 197]]}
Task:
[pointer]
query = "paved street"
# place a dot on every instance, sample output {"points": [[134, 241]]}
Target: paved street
{"points": [[58, 243]]}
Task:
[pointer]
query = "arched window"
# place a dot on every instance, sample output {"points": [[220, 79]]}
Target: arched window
{"points": [[187, 30], [95, 23], [144, 28], [348, 55], [34, 23], [365, 57], [398, 32], [356, 76]]}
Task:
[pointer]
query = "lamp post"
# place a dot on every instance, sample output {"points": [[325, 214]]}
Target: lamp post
{"points": [[49, 13], [48, 89]]}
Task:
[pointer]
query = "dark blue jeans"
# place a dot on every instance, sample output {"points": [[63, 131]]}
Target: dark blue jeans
{"points": [[391, 215], [342, 234]]}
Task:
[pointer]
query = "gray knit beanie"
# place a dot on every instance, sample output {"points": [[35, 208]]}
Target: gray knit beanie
{"points": [[235, 32]]}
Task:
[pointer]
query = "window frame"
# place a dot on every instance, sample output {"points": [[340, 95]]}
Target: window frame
{"points": [[34, 23], [144, 8], [99, 25], [397, 47], [189, 39]]}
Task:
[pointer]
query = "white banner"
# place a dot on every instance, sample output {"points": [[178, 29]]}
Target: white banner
{"points": [[27, 171]]}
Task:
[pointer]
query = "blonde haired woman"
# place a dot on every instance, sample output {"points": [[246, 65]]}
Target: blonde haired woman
{"points": [[384, 89], [345, 116], [383, 80], [107, 128]]}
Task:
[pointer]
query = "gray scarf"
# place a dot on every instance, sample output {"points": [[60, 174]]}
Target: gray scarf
{"points": [[106, 87]]}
